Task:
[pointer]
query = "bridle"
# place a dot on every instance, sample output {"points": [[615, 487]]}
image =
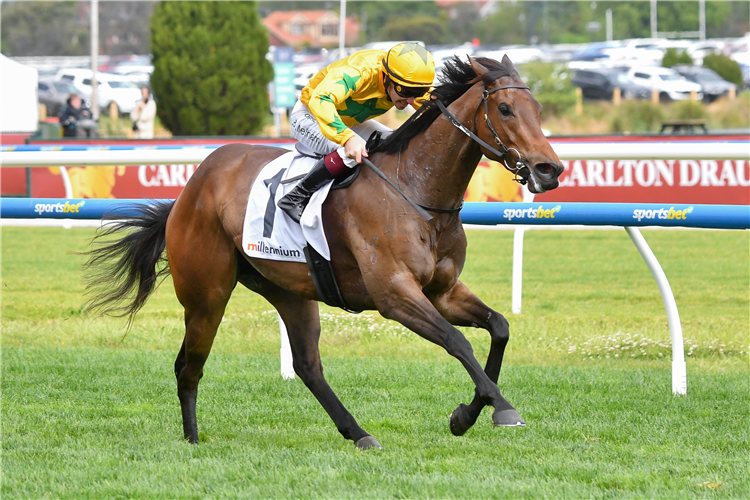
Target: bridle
{"points": [[422, 209], [503, 155]]}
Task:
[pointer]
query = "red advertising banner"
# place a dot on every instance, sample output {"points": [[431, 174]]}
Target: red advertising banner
{"points": [[13, 181], [144, 181], [602, 180], [724, 182], [614, 181]]}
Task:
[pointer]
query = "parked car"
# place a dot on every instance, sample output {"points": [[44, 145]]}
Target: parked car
{"points": [[309, 55], [745, 75], [54, 95], [112, 88], [601, 83], [442, 53], [595, 51], [638, 52], [303, 75], [670, 84], [739, 50], [699, 50], [136, 73], [518, 54], [711, 83], [108, 64]]}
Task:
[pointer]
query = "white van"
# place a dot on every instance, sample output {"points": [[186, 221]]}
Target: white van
{"points": [[112, 88]]}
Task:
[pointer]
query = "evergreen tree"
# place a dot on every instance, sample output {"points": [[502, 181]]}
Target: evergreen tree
{"points": [[210, 69]]}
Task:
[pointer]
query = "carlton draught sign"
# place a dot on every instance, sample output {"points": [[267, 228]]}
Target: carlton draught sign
{"points": [[683, 181], [616, 181], [654, 181]]}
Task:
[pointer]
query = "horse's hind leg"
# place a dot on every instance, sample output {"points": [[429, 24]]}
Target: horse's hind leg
{"points": [[462, 308], [302, 320], [203, 283]]}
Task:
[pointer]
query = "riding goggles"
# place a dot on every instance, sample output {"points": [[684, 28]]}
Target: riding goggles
{"points": [[409, 92]]}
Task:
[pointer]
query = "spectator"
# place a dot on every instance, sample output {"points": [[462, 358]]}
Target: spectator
{"points": [[143, 116], [76, 119]]}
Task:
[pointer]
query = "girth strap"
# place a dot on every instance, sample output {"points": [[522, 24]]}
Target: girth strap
{"points": [[324, 280]]}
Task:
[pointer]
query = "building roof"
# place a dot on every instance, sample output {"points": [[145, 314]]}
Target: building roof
{"points": [[279, 16], [276, 22], [452, 3]]}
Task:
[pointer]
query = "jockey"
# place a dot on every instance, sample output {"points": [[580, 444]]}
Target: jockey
{"points": [[329, 117]]}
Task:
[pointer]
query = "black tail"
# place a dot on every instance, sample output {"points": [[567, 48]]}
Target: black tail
{"points": [[121, 274]]}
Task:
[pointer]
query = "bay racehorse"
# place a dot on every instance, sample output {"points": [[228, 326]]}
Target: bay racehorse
{"points": [[385, 255]]}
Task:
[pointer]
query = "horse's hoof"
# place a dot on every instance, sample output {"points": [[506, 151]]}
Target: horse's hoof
{"points": [[507, 418], [460, 420], [368, 442]]}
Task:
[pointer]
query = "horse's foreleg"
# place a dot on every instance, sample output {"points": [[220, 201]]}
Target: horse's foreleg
{"points": [[302, 320], [462, 308], [411, 308]]}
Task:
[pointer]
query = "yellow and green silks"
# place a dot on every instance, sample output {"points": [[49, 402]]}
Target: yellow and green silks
{"points": [[347, 93]]}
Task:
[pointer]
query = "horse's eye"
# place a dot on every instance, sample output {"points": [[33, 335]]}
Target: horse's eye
{"points": [[505, 110]]}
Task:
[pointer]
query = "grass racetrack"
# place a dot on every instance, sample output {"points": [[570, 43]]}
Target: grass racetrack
{"points": [[89, 412]]}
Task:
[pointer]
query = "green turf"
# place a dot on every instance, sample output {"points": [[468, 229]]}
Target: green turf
{"points": [[88, 412]]}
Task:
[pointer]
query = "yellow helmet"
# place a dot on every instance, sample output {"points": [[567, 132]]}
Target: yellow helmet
{"points": [[409, 65]]}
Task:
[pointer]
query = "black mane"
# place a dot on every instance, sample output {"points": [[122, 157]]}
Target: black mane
{"points": [[457, 77]]}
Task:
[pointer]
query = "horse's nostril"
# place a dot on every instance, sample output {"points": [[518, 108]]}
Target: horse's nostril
{"points": [[545, 169]]}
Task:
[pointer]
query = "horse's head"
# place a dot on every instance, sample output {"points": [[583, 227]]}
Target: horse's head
{"points": [[509, 118]]}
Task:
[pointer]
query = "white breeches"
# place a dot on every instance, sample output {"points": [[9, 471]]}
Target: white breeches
{"points": [[311, 140]]}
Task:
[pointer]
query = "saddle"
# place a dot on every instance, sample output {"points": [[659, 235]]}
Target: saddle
{"points": [[321, 270], [339, 182]]}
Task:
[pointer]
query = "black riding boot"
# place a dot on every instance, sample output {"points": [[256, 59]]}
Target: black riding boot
{"points": [[294, 202]]}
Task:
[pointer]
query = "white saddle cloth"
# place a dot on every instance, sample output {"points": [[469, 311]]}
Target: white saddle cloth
{"points": [[268, 232]]}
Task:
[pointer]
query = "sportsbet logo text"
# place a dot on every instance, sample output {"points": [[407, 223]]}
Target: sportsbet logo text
{"points": [[60, 208], [531, 213], [661, 213]]}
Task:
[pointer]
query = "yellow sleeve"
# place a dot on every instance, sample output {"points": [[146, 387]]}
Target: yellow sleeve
{"points": [[331, 93]]}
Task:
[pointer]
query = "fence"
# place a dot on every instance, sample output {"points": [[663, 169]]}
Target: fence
{"points": [[629, 216]]}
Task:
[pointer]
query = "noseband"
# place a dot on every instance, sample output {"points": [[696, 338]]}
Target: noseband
{"points": [[503, 155]]}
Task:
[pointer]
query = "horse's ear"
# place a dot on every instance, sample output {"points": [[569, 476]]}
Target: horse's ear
{"points": [[480, 70], [509, 64]]}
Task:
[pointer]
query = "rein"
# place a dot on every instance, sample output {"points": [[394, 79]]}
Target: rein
{"points": [[505, 149], [419, 208]]}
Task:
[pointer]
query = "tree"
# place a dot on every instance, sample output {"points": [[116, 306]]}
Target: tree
{"points": [[684, 16], [44, 29], [375, 16], [124, 27], [727, 68], [672, 58], [210, 70], [506, 26], [567, 21], [63, 28], [463, 22], [551, 86], [430, 30]]}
